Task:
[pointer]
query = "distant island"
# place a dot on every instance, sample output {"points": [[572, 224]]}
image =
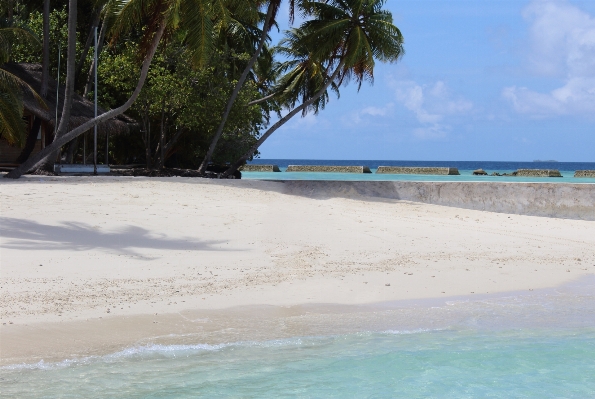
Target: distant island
{"points": [[550, 160]]}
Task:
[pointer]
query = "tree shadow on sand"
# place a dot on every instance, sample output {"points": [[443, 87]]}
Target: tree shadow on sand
{"points": [[29, 235]]}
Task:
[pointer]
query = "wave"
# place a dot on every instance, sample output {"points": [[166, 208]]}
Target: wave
{"points": [[174, 350]]}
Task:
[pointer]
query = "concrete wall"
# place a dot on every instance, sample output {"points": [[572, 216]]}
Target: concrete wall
{"points": [[574, 201], [260, 168], [403, 170], [328, 169], [584, 173]]}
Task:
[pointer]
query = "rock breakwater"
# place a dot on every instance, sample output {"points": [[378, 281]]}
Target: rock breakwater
{"points": [[328, 169], [404, 170]]}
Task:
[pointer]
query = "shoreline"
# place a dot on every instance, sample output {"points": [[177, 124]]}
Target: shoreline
{"points": [[127, 248], [26, 345]]}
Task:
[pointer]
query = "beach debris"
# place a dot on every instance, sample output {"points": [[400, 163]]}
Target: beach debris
{"points": [[387, 285], [108, 310], [480, 172]]}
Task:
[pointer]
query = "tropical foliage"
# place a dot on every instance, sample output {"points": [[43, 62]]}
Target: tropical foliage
{"points": [[12, 127], [201, 77]]}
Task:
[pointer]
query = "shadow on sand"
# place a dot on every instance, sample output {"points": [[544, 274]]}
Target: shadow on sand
{"points": [[29, 235]]}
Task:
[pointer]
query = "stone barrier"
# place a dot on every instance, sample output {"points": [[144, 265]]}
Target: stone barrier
{"points": [[403, 170], [584, 173], [560, 200], [328, 169], [260, 168], [538, 173]]}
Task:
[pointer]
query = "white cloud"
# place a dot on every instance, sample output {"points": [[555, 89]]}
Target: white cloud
{"points": [[562, 45], [431, 104], [364, 114]]}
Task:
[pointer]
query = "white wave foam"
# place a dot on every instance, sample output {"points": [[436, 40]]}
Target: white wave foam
{"points": [[416, 331]]}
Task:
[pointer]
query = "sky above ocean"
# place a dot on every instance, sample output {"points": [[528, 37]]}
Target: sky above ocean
{"points": [[481, 79]]}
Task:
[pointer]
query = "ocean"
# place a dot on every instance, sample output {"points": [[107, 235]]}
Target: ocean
{"points": [[513, 345], [466, 169]]}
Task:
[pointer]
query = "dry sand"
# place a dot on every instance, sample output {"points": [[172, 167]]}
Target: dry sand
{"points": [[90, 265]]}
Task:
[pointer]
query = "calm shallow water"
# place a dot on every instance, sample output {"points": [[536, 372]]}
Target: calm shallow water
{"points": [[437, 364], [466, 169], [517, 345]]}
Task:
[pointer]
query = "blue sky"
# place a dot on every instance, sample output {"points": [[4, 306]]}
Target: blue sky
{"points": [[481, 80]]}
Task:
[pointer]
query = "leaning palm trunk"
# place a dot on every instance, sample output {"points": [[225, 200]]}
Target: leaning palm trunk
{"points": [[45, 77], [280, 123], [239, 85], [60, 141], [48, 164]]}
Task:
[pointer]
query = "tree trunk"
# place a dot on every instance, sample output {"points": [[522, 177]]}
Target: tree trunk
{"points": [[31, 141], [162, 138], [58, 142], [45, 71], [10, 11], [261, 100], [172, 142], [280, 123], [48, 165], [239, 85], [73, 145], [43, 91], [147, 138]]}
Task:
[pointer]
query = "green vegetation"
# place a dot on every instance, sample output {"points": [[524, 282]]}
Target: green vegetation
{"points": [[200, 77]]}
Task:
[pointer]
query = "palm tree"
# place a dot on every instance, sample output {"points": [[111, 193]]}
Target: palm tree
{"points": [[48, 164], [43, 91], [12, 127], [132, 13], [347, 35], [269, 21], [194, 16]]}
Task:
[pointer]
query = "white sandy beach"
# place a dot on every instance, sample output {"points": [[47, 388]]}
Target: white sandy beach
{"points": [[107, 262]]}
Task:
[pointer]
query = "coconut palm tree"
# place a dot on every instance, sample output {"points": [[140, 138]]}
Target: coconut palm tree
{"points": [[269, 21], [272, 9], [48, 164], [195, 17], [12, 127], [346, 36], [43, 91]]}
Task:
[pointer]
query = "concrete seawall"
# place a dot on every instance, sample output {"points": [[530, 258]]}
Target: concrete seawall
{"points": [[561, 200]]}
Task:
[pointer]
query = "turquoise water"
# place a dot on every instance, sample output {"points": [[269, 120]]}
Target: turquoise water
{"points": [[466, 175], [532, 344], [466, 169], [417, 364]]}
